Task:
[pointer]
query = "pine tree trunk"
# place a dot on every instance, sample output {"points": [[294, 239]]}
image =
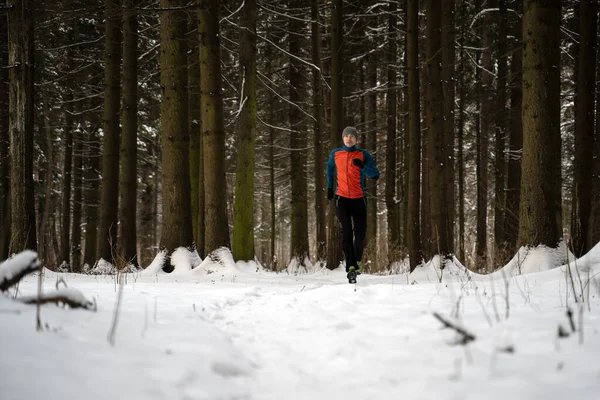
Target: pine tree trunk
{"points": [[594, 224], [337, 62], [513, 181], [540, 211], [448, 65], [435, 111], [194, 128], [243, 226], [4, 144], [415, 251], [213, 134], [390, 159], [109, 197], [127, 235], [21, 65], [176, 228], [426, 233], [44, 242], [77, 198], [298, 142], [584, 127], [147, 215], [483, 135], [319, 132], [371, 146], [65, 241], [91, 194], [501, 255]]}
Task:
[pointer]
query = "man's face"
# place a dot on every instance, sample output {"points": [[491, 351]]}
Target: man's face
{"points": [[349, 140]]}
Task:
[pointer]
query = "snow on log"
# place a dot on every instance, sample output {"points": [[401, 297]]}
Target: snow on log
{"points": [[67, 296], [13, 269]]}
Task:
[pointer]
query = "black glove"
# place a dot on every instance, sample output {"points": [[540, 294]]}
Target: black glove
{"points": [[329, 193], [375, 178], [358, 162]]}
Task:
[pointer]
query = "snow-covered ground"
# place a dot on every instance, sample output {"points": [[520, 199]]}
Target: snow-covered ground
{"points": [[235, 331]]}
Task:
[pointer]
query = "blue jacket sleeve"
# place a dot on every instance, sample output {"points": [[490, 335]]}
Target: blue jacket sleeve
{"points": [[330, 170], [370, 168]]}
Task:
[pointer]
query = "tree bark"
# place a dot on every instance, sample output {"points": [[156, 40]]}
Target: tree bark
{"points": [[415, 251], [501, 255], [176, 228], [390, 159], [515, 146], [109, 197], [540, 211], [483, 135], [243, 226], [196, 166], [77, 198], [584, 127], [21, 108], [319, 132], [337, 61], [4, 143], [298, 141], [127, 235], [448, 66], [213, 134], [435, 111]]}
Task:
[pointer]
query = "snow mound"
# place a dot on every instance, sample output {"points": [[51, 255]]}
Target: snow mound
{"points": [[184, 260], [249, 267], [432, 271], [155, 267], [296, 267], [536, 259], [103, 267], [220, 260]]}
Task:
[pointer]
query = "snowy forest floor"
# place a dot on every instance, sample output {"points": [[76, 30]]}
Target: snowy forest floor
{"points": [[254, 334]]}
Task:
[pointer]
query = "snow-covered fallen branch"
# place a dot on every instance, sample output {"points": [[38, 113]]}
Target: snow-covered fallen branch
{"points": [[14, 269], [67, 296], [466, 336]]}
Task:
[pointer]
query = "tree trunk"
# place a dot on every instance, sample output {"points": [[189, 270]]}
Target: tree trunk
{"points": [[435, 111], [77, 197], [194, 128], [448, 65], [176, 228], [4, 144], [21, 108], [44, 234], [65, 242], [483, 135], [337, 61], [501, 255], [298, 142], [109, 197], [371, 146], [584, 127], [415, 251], [594, 224], [319, 132], [390, 159], [243, 226], [213, 134], [540, 211], [127, 236], [513, 181], [91, 194]]}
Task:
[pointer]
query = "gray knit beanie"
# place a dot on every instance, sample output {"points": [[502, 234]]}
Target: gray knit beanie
{"points": [[350, 130]]}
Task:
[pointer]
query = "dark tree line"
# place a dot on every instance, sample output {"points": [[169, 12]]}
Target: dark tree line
{"points": [[151, 125]]}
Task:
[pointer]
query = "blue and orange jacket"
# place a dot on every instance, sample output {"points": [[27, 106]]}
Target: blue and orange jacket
{"points": [[350, 178]]}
